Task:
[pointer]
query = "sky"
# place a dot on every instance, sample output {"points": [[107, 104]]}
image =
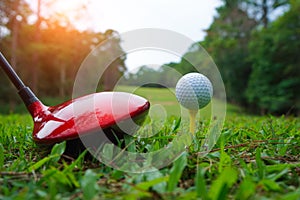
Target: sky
{"points": [[189, 18]]}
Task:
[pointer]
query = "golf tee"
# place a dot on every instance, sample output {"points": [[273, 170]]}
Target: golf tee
{"points": [[193, 114]]}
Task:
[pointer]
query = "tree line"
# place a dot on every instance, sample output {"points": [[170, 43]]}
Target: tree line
{"points": [[47, 52], [256, 51], [254, 43]]}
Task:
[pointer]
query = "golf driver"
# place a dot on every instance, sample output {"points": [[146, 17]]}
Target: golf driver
{"points": [[94, 112]]}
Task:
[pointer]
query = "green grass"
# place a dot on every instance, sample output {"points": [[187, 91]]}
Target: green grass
{"points": [[164, 101], [157, 96], [255, 158]]}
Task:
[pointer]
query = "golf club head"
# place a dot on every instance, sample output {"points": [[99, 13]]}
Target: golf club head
{"points": [[99, 112]]}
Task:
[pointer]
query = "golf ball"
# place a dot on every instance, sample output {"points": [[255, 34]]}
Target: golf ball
{"points": [[194, 91]]}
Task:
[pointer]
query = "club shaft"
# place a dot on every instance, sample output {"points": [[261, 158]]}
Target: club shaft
{"points": [[24, 92], [10, 72]]}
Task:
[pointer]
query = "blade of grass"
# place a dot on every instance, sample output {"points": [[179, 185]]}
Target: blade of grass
{"points": [[260, 164], [40, 163], [246, 189], [1, 156], [58, 149], [224, 182], [56, 152], [200, 183], [89, 184], [176, 171], [147, 184]]}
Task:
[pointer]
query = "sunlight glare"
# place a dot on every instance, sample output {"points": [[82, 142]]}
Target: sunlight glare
{"points": [[66, 6], [72, 10]]}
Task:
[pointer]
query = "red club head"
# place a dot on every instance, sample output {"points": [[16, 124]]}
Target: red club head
{"points": [[87, 114]]}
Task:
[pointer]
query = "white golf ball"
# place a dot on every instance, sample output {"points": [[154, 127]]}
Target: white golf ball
{"points": [[194, 91]]}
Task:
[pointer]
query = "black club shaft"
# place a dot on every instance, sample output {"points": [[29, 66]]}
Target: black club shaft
{"points": [[24, 92]]}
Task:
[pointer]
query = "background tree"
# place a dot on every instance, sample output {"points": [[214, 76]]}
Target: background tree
{"points": [[227, 42], [61, 48], [274, 83], [117, 66], [262, 10], [13, 14], [13, 19], [145, 74]]}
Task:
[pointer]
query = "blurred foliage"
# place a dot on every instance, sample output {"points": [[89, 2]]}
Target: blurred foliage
{"points": [[146, 76], [227, 42], [258, 57], [255, 45], [255, 55], [256, 51], [47, 56], [275, 78]]}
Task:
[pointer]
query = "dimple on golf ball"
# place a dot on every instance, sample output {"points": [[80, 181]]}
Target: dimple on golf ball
{"points": [[194, 91]]}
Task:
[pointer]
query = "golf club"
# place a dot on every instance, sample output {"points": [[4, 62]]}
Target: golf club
{"points": [[85, 115]]}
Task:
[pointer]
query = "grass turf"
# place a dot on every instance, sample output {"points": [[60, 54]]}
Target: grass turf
{"points": [[255, 158]]}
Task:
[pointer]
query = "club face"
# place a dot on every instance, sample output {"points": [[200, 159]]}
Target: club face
{"points": [[87, 114]]}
